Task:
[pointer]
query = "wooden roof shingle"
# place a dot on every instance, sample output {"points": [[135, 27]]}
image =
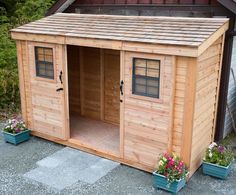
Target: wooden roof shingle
{"points": [[182, 31]]}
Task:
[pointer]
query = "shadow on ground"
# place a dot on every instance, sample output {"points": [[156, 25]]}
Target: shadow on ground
{"points": [[15, 161]]}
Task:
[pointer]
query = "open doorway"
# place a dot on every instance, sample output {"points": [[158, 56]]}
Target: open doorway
{"points": [[94, 97]]}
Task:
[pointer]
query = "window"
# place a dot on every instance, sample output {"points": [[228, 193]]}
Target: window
{"points": [[146, 77], [44, 62]]}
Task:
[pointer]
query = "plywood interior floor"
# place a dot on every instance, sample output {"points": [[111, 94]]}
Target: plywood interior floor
{"points": [[95, 134]]}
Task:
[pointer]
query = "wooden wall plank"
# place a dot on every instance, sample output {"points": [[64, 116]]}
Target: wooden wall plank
{"points": [[74, 77], [206, 101], [21, 80], [111, 86], [188, 109]]}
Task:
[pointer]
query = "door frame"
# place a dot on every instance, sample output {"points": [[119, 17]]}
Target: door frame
{"points": [[122, 102]]}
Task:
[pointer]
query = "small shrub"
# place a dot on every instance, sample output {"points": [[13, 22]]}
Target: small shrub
{"points": [[171, 166], [219, 155], [9, 91]]}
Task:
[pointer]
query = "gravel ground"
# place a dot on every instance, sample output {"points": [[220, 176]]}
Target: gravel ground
{"points": [[17, 160]]}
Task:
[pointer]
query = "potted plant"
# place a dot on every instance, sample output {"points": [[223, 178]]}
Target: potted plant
{"points": [[15, 131], [171, 173], [217, 161]]}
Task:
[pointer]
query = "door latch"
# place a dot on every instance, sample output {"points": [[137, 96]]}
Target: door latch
{"points": [[59, 89]]}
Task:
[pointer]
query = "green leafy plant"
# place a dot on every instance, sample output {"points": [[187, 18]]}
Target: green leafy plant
{"points": [[14, 126], [172, 167], [14, 13], [218, 154]]}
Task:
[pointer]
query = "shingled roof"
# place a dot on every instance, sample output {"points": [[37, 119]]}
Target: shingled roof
{"points": [[158, 30]]}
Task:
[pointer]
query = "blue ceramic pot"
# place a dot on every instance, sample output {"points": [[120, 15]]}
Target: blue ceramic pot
{"points": [[16, 138], [216, 170], [160, 181]]}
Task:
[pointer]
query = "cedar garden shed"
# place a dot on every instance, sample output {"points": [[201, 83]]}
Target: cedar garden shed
{"points": [[123, 87]]}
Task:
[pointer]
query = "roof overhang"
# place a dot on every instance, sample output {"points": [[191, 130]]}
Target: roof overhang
{"points": [[163, 35], [59, 6], [229, 4]]}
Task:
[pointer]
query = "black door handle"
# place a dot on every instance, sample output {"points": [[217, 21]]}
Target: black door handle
{"points": [[59, 89], [121, 87], [60, 77]]}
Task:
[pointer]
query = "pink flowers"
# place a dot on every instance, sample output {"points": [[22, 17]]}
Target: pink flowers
{"points": [[172, 167], [14, 126]]}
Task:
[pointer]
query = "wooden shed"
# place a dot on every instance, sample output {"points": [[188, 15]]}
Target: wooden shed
{"points": [[123, 87]]}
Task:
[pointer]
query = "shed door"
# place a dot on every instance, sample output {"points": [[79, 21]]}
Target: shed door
{"points": [[148, 82], [47, 89]]}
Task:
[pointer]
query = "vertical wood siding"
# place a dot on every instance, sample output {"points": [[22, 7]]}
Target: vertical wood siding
{"points": [[111, 86], [91, 106], [208, 69], [180, 86], [73, 56]]}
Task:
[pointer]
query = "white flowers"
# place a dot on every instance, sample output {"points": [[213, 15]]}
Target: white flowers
{"points": [[164, 159], [212, 145], [210, 154], [161, 163]]}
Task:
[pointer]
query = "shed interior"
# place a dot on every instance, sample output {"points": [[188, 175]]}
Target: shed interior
{"points": [[94, 97]]}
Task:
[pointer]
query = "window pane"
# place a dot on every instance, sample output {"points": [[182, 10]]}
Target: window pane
{"points": [[153, 83], [140, 88], [41, 72], [49, 66], [152, 91], [40, 57], [153, 73], [140, 80], [146, 77], [140, 71], [44, 62], [48, 51], [48, 58], [41, 65], [49, 73], [154, 64], [140, 63], [40, 50]]}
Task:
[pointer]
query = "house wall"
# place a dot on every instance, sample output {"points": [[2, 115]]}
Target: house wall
{"points": [[230, 117], [201, 2], [207, 83], [199, 8]]}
